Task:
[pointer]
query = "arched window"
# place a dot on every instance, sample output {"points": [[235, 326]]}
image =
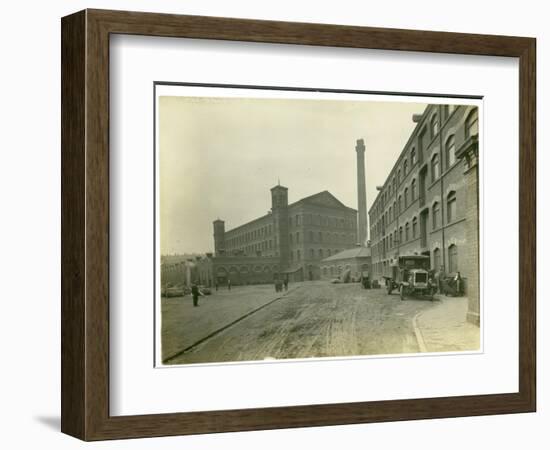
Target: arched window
{"points": [[437, 259], [407, 229], [406, 197], [400, 235], [391, 213], [434, 125], [435, 216], [391, 241], [394, 209], [405, 167], [400, 204], [413, 157], [413, 190], [435, 167], [450, 151], [451, 206], [471, 125], [399, 176], [415, 227], [453, 258]]}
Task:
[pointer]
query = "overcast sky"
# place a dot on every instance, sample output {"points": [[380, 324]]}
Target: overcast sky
{"points": [[219, 157]]}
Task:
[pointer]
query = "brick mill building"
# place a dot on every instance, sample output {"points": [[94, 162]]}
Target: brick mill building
{"points": [[428, 204], [289, 241]]}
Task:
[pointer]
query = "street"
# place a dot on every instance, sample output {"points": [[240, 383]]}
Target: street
{"points": [[313, 319]]}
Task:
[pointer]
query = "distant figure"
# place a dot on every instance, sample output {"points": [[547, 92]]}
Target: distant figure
{"points": [[195, 293], [365, 281], [229, 284], [286, 284], [216, 286], [440, 279], [458, 284]]}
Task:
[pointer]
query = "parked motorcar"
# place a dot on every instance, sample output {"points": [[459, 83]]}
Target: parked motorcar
{"points": [[173, 291], [411, 277]]}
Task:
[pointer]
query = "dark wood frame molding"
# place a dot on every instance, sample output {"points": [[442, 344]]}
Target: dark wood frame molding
{"points": [[85, 224]]}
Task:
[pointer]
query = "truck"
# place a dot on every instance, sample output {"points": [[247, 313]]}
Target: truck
{"points": [[411, 277]]}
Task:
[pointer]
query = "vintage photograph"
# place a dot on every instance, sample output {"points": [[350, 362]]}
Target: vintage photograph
{"points": [[293, 225]]}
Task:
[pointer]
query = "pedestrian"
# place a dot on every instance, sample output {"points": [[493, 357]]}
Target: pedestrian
{"points": [[286, 283], [458, 284], [195, 293], [229, 284], [216, 286], [440, 278]]}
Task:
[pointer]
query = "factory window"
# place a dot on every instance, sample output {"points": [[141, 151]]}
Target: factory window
{"points": [[310, 236], [434, 125], [405, 167], [415, 227], [320, 236], [435, 215], [399, 176], [400, 204], [297, 237], [407, 228], [391, 213], [453, 258], [391, 241], [451, 206], [311, 254], [406, 197], [400, 235], [413, 157], [471, 126], [290, 238], [298, 255], [435, 167], [450, 151], [321, 253], [413, 190]]}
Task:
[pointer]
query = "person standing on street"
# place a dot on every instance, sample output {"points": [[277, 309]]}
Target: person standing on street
{"points": [[195, 293], [440, 278], [286, 283], [229, 284]]}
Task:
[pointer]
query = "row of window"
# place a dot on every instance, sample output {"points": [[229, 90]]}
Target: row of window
{"points": [[319, 220], [318, 237], [470, 129], [410, 230], [313, 254]]}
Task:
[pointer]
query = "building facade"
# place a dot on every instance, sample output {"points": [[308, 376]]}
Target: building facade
{"points": [[427, 202], [290, 241], [355, 262]]}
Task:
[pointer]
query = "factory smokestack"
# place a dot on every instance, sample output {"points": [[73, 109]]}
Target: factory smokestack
{"points": [[362, 226]]}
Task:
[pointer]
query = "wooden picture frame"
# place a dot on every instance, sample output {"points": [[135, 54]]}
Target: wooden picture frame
{"points": [[85, 224]]}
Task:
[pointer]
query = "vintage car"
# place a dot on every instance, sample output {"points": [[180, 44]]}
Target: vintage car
{"points": [[411, 277]]}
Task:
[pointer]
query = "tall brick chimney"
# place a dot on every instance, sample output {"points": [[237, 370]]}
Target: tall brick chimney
{"points": [[362, 225]]}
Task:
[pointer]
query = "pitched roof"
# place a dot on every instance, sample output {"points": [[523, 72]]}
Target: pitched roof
{"points": [[357, 252], [323, 198]]}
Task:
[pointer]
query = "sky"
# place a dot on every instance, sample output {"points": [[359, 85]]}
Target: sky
{"points": [[219, 157]]}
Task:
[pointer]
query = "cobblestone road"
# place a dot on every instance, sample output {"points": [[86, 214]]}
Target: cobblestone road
{"points": [[316, 319]]}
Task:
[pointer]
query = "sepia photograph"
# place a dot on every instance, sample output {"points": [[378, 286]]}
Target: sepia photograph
{"points": [[299, 224]]}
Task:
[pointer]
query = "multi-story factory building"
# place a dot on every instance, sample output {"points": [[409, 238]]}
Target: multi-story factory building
{"points": [[289, 241], [428, 203]]}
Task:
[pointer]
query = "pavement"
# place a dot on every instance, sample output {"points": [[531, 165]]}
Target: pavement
{"points": [[184, 325], [444, 328]]}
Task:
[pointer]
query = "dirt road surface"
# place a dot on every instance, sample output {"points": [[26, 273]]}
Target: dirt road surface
{"points": [[317, 319]]}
